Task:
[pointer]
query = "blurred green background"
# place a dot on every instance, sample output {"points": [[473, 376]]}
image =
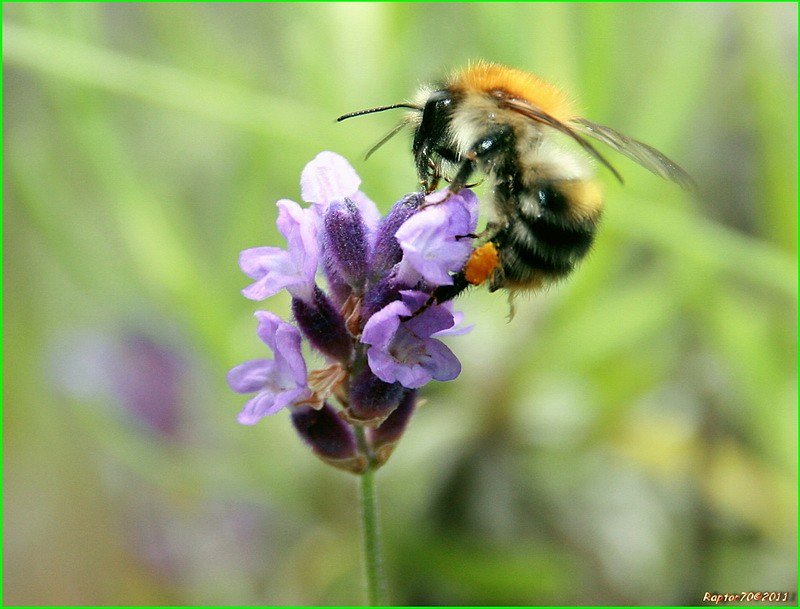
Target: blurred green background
{"points": [[630, 437]]}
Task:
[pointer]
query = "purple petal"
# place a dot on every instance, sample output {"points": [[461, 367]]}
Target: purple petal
{"points": [[439, 197], [257, 408], [381, 327], [443, 365], [271, 266], [401, 350], [455, 330], [406, 275], [268, 324], [433, 241], [250, 376], [412, 377], [470, 200], [300, 227], [254, 262], [414, 299], [289, 398], [383, 365], [268, 403], [294, 268], [466, 199], [327, 178], [288, 354], [262, 289], [431, 320]]}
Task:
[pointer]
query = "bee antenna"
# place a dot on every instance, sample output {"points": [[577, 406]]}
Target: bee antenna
{"points": [[378, 109]]}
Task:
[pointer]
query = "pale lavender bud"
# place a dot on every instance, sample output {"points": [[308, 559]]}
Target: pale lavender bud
{"points": [[346, 242]]}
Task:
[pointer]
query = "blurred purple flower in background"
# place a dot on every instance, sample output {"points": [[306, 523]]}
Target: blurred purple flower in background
{"points": [[143, 378], [214, 551], [376, 327], [148, 378]]}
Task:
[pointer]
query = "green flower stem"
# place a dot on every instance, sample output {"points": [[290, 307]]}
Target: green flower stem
{"points": [[369, 518]]}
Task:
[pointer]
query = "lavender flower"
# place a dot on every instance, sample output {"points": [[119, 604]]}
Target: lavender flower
{"points": [[280, 382], [402, 347], [436, 241], [377, 327], [294, 268]]}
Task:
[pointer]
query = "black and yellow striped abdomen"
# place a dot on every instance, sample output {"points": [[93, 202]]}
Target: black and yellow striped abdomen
{"points": [[545, 236]]}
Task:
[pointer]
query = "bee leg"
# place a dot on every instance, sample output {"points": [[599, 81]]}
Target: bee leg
{"points": [[444, 293], [470, 185], [447, 292], [434, 175], [429, 186], [484, 151], [464, 172], [490, 232]]}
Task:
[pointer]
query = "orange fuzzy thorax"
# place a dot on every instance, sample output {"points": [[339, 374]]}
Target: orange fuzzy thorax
{"points": [[485, 77]]}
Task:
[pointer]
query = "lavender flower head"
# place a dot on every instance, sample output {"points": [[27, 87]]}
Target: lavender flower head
{"points": [[374, 328]]}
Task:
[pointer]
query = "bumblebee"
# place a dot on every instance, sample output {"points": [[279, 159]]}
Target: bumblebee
{"points": [[515, 128]]}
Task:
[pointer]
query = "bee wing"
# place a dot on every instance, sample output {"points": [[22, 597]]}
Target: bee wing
{"points": [[535, 114], [647, 156]]}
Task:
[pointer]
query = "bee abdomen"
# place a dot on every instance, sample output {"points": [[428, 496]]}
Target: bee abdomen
{"points": [[543, 246], [551, 241], [520, 262]]}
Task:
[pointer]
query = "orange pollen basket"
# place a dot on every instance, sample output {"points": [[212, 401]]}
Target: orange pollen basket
{"points": [[483, 261]]}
